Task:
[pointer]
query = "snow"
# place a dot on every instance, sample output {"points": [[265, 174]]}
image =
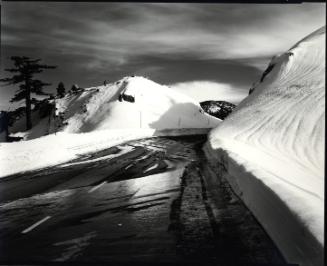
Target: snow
{"points": [[123, 150], [40, 127], [155, 106], [59, 148], [95, 118], [151, 167], [272, 147]]}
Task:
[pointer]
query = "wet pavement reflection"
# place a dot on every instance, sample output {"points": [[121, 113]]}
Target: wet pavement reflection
{"points": [[141, 201]]}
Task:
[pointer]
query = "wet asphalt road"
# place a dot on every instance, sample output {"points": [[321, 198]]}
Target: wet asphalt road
{"points": [[147, 201]]}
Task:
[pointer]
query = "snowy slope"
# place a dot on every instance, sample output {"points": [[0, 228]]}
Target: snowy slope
{"points": [[59, 148], [145, 104], [100, 117], [39, 116], [40, 127], [272, 147]]}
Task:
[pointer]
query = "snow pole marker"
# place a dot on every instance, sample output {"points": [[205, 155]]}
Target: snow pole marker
{"points": [[35, 225]]}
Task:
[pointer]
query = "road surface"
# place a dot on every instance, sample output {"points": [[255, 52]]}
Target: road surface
{"points": [[145, 201]]}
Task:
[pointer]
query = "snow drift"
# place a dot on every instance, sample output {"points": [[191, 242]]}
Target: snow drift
{"points": [[130, 103], [133, 102], [272, 150], [59, 148], [91, 119]]}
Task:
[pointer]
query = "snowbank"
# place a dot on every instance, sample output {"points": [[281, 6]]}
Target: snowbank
{"points": [[134, 103], [58, 148], [130, 103], [272, 150], [100, 117]]}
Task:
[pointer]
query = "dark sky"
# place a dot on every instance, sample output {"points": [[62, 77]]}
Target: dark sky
{"points": [[227, 44]]}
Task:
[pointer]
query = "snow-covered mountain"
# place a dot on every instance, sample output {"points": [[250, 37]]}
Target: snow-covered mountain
{"points": [[87, 120], [272, 147], [133, 102], [130, 103]]}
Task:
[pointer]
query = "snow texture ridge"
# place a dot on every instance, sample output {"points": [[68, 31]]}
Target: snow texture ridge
{"points": [[274, 141]]}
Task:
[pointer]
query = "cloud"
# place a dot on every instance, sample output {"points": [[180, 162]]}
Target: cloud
{"points": [[111, 30], [207, 90], [224, 43]]}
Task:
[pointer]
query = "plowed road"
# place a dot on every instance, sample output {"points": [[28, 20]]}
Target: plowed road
{"points": [[146, 201]]}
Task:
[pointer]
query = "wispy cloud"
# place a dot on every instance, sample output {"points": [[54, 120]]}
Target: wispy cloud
{"points": [[213, 31], [116, 39]]}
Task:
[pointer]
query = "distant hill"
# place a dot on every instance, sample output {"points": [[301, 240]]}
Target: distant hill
{"points": [[219, 109], [130, 103]]}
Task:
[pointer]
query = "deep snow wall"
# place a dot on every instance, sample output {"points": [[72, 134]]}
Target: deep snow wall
{"points": [[272, 147]]}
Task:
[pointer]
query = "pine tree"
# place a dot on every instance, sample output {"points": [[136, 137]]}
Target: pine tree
{"points": [[61, 90], [25, 69], [74, 88]]}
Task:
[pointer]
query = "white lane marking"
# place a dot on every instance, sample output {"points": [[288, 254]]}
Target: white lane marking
{"points": [[96, 187], [35, 225]]}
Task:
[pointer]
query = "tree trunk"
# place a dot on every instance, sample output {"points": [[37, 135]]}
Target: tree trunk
{"points": [[28, 106]]}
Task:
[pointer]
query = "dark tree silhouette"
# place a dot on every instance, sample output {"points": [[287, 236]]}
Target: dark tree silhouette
{"points": [[25, 69], [74, 88], [61, 90]]}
